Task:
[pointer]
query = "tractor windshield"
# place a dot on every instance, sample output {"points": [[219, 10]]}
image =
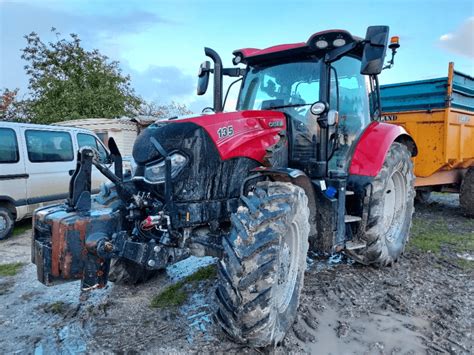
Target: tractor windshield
{"points": [[290, 88], [291, 85]]}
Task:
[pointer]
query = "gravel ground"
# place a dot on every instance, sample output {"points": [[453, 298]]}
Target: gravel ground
{"points": [[423, 304]]}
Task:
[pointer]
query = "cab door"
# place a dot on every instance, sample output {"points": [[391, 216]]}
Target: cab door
{"points": [[50, 155], [348, 91]]}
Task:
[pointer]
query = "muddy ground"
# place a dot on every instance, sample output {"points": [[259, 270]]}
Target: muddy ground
{"points": [[423, 304]]}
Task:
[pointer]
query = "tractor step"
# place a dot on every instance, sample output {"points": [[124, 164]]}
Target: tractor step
{"points": [[353, 245], [351, 219]]}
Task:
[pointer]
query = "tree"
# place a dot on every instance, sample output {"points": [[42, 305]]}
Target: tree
{"points": [[68, 82], [12, 109], [152, 109]]}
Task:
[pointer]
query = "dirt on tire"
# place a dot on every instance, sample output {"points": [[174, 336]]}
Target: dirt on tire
{"points": [[386, 238], [422, 304], [262, 272]]}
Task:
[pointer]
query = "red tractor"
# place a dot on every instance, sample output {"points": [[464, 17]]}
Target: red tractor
{"points": [[302, 164]]}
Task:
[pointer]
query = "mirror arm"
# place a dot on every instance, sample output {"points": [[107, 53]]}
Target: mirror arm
{"points": [[233, 72], [337, 53], [391, 62], [377, 90]]}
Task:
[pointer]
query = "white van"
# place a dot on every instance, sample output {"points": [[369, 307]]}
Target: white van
{"points": [[36, 162]]}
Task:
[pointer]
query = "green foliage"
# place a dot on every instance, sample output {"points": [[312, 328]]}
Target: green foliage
{"points": [[10, 269], [12, 109], [440, 239], [152, 109], [58, 307], [175, 295], [68, 82], [205, 273], [433, 235], [172, 296]]}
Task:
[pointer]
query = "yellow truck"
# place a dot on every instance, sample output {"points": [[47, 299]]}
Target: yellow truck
{"points": [[439, 115]]}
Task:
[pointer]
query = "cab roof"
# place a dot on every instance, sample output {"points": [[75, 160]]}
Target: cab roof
{"points": [[312, 47]]}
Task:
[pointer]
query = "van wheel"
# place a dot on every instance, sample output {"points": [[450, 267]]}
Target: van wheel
{"points": [[6, 223]]}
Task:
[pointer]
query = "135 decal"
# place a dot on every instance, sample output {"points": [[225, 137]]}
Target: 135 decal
{"points": [[225, 131]]}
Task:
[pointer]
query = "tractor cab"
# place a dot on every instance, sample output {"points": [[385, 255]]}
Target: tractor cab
{"points": [[327, 88], [294, 89]]}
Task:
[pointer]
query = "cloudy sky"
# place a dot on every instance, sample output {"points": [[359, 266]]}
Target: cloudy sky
{"points": [[160, 43]]}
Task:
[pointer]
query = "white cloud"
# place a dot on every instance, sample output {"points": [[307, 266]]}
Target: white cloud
{"points": [[460, 41]]}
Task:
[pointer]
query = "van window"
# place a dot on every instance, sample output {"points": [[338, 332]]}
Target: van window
{"points": [[8, 146], [48, 146], [104, 137], [90, 141]]}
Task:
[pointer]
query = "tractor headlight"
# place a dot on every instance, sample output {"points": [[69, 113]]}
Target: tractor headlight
{"points": [[155, 172]]}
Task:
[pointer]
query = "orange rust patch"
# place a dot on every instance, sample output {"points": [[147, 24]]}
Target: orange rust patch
{"points": [[66, 267]]}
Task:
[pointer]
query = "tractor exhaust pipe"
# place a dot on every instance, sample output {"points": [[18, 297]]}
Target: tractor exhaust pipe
{"points": [[217, 77]]}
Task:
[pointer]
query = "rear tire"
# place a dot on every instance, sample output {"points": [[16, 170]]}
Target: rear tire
{"points": [[262, 271], [390, 209], [466, 196], [6, 223], [423, 196], [126, 272]]}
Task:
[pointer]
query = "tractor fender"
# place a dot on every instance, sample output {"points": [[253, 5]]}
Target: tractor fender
{"points": [[298, 178], [373, 145]]}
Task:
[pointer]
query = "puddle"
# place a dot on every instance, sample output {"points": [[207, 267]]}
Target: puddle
{"points": [[386, 332], [319, 262], [466, 256]]}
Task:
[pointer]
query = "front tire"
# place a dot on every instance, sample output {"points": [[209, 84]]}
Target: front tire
{"points": [[390, 210], [126, 272], [262, 271]]}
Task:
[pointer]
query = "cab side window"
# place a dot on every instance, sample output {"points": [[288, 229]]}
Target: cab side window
{"points": [[8, 146], [48, 146], [84, 140]]}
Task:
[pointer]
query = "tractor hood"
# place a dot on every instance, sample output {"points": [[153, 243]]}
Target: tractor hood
{"points": [[210, 156], [246, 134]]}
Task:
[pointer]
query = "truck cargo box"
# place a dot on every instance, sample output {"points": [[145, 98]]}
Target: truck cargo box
{"points": [[439, 115]]}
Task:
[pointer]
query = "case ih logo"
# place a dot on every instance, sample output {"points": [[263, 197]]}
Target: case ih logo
{"points": [[274, 124]]}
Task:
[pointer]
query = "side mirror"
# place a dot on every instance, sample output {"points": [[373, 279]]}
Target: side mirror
{"points": [[374, 50], [203, 77], [333, 117]]}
